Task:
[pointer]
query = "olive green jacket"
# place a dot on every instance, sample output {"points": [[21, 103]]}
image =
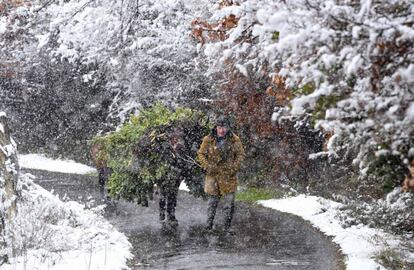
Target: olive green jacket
{"points": [[221, 164]]}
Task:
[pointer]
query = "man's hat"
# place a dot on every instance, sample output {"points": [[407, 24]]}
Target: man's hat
{"points": [[222, 121]]}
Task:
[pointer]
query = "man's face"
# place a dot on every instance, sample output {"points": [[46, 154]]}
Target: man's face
{"points": [[221, 131]]}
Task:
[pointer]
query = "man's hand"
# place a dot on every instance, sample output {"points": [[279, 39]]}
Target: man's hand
{"points": [[212, 170], [229, 169]]}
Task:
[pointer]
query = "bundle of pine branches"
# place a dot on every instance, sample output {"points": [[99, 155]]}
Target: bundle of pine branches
{"points": [[141, 156]]}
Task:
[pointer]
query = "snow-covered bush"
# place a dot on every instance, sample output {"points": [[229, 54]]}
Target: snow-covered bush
{"points": [[46, 231], [349, 64], [394, 213], [38, 229]]}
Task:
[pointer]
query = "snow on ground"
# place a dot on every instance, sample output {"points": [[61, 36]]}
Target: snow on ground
{"points": [[51, 234], [41, 162], [359, 243]]}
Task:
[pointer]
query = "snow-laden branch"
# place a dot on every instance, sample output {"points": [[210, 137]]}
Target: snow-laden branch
{"points": [[354, 59]]}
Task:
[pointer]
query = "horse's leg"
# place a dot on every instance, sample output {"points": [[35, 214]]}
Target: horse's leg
{"points": [[162, 201], [172, 202]]}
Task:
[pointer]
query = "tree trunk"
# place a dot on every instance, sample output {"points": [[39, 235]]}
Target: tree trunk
{"points": [[9, 175]]}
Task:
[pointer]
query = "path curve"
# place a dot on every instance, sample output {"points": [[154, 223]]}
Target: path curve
{"points": [[264, 238]]}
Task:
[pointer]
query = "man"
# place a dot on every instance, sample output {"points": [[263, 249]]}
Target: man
{"points": [[99, 158], [221, 154]]}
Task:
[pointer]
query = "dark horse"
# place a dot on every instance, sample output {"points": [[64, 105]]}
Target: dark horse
{"points": [[172, 147]]}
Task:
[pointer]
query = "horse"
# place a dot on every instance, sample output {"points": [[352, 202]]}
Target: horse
{"points": [[175, 145]]}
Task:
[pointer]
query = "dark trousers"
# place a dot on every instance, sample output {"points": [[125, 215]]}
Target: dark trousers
{"points": [[103, 176], [228, 209]]}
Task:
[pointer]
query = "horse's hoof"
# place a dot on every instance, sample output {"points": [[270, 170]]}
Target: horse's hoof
{"points": [[162, 216], [208, 227], [173, 221], [229, 232]]}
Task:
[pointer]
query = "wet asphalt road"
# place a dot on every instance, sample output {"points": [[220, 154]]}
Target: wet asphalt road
{"points": [[263, 239]]}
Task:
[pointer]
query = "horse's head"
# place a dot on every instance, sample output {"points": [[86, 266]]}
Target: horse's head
{"points": [[176, 138], [186, 135]]}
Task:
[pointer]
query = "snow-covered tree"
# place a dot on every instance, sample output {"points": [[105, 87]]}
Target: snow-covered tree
{"points": [[9, 183], [348, 64], [121, 54], [16, 39], [244, 92], [48, 97], [143, 47]]}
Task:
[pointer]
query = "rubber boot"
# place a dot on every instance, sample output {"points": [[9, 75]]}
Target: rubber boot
{"points": [[211, 211]]}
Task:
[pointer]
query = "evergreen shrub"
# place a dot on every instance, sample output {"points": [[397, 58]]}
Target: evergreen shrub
{"points": [[140, 157]]}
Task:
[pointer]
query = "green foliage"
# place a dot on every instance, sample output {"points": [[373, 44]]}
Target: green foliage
{"points": [[119, 144], [307, 89], [388, 171], [275, 36], [134, 175], [351, 81], [323, 104], [259, 173], [252, 195]]}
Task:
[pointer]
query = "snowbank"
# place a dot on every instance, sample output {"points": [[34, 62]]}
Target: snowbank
{"points": [[48, 233], [41, 162], [359, 243]]}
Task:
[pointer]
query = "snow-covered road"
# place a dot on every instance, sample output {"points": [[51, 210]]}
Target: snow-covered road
{"points": [[264, 237]]}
